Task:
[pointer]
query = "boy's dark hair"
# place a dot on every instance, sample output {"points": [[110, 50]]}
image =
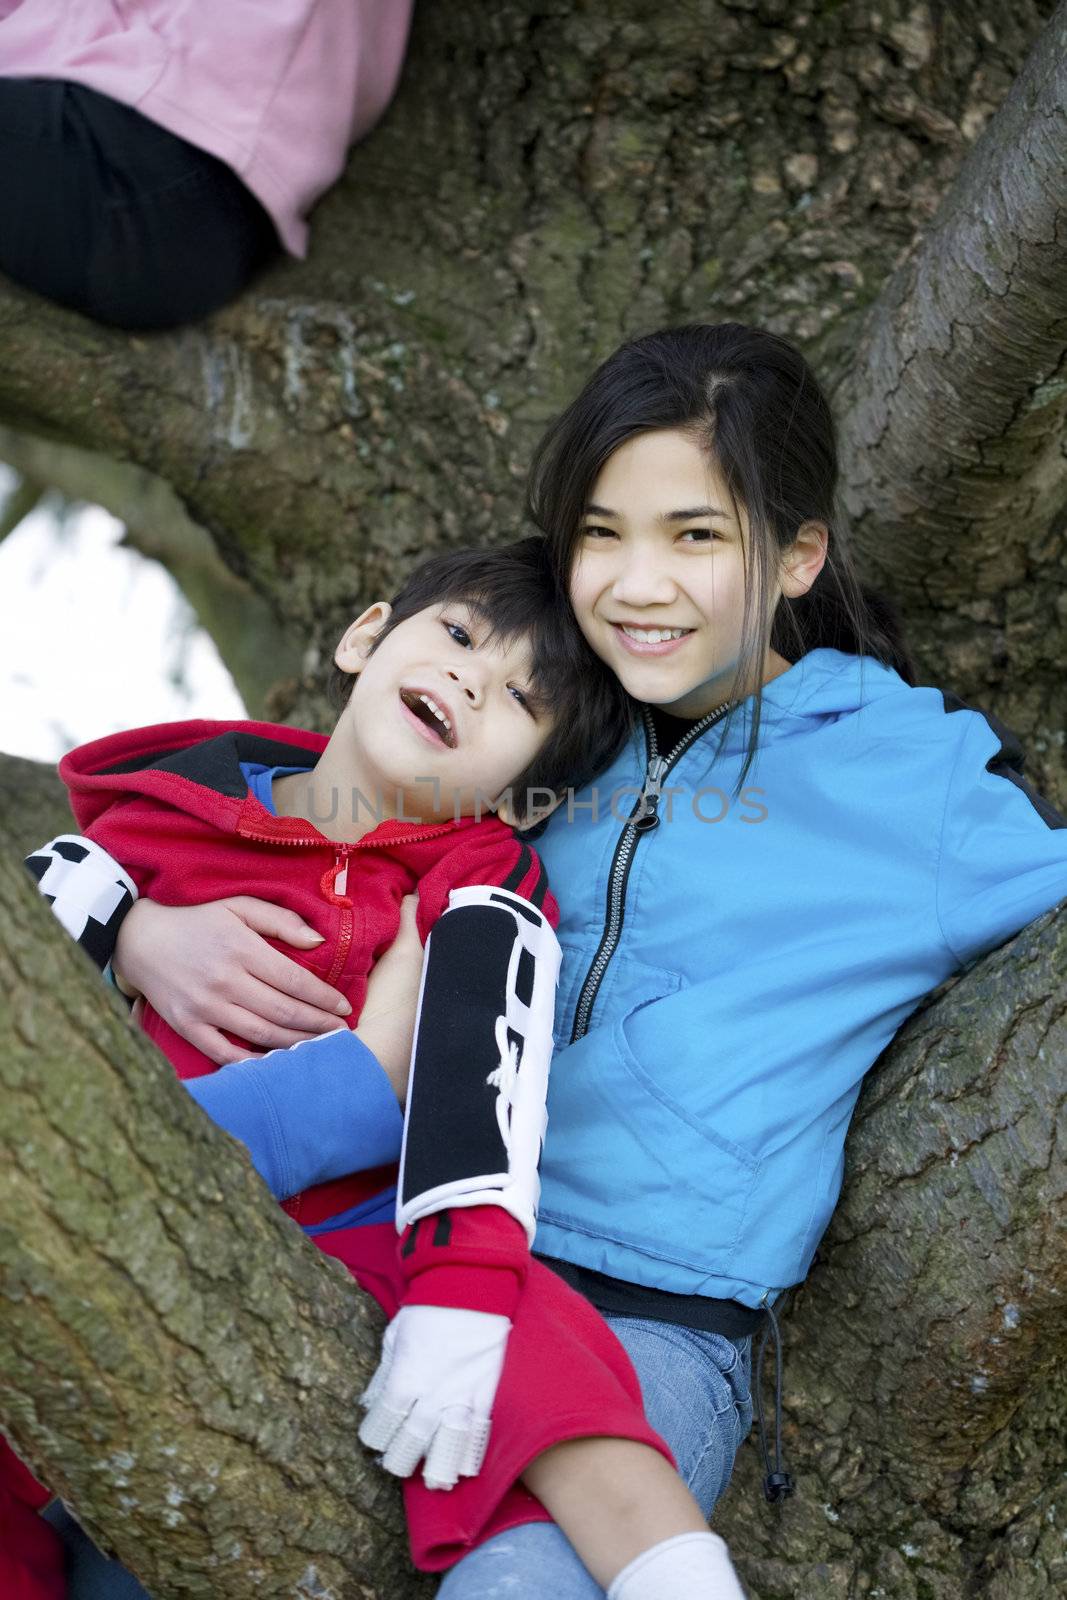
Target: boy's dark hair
{"points": [[514, 589], [749, 399]]}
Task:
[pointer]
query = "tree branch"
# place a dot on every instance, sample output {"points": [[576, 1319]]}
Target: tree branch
{"points": [[955, 407], [258, 650], [33, 804]]}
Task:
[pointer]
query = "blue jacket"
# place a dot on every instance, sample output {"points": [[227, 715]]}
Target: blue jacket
{"points": [[763, 962]]}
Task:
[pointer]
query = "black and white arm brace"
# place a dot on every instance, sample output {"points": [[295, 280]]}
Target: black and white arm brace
{"points": [[476, 1115], [88, 891]]}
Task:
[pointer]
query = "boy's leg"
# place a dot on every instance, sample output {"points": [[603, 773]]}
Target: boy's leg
{"points": [[695, 1388], [91, 1575]]}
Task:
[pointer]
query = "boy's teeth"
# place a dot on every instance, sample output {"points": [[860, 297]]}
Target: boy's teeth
{"points": [[654, 635], [436, 709]]}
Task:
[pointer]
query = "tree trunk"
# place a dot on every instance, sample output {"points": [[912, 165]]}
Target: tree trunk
{"points": [[178, 1361], [554, 176]]}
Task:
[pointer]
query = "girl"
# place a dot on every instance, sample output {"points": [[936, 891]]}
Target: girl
{"points": [[797, 844]]}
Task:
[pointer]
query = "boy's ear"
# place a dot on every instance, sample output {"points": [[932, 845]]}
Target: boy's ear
{"points": [[359, 636], [539, 813]]}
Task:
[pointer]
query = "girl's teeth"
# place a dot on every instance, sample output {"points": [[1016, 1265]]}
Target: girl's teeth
{"points": [[436, 709], [654, 635]]}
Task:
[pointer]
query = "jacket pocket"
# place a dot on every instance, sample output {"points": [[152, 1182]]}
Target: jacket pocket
{"points": [[689, 1185]]}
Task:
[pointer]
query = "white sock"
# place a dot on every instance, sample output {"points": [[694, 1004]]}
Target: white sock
{"points": [[692, 1566]]}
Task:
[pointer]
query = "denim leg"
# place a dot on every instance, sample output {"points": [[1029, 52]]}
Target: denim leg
{"points": [[696, 1392], [90, 1574]]}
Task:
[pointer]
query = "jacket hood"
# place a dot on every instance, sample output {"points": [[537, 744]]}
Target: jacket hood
{"points": [[195, 765], [824, 684]]}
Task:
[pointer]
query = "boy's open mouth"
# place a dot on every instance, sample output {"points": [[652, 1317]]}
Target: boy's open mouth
{"points": [[431, 713]]}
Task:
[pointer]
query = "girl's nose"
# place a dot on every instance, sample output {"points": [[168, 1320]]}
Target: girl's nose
{"points": [[643, 581]]}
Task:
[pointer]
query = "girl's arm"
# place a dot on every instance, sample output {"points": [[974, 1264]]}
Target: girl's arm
{"points": [[208, 968], [318, 1110], [1003, 851]]}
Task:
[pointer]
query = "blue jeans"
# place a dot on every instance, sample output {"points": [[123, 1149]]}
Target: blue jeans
{"points": [[696, 1392]]}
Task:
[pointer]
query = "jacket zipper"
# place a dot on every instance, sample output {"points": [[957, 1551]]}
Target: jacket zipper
{"points": [[642, 819]]}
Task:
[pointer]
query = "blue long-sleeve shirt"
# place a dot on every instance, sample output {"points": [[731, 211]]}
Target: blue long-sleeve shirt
{"points": [[314, 1112]]}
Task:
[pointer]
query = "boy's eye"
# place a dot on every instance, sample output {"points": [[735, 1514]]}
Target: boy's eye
{"points": [[458, 632]]}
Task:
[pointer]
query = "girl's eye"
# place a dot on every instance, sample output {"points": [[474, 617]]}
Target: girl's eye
{"points": [[592, 532], [700, 535], [519, 696], [458, 632]]}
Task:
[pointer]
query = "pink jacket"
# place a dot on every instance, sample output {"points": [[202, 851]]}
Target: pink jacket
{"points": [[278, 89]]}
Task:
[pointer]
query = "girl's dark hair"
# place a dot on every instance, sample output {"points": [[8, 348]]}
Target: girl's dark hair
{"points": [[750, 400], [514, 590]]}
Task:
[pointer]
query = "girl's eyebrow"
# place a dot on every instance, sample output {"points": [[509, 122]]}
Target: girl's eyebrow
{"points": [[689, 515], [694, 511]]}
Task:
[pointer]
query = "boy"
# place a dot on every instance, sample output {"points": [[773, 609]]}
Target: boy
{"points": [[474, 683]]}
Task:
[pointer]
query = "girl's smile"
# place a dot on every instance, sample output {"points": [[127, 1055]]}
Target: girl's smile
{"points": [[641, 640]]}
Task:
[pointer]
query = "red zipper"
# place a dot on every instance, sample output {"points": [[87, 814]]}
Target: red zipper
{"points": [[327, 885]]}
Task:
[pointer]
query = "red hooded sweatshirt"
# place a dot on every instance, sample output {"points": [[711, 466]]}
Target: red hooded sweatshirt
{"points": [[171, 804]]}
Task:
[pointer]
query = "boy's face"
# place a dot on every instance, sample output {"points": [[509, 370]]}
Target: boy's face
{"points": [[438, 712]]}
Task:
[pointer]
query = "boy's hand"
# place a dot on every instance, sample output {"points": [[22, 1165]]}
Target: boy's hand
{"points": [[208, 968], [387, 1022], [432, 1395]]}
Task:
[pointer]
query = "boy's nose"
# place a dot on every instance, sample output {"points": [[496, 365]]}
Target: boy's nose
{"points": [[469, 682]]}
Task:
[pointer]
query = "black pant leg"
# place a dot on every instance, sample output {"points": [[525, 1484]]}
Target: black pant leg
{"points": [[49, 192], [116, 217]]}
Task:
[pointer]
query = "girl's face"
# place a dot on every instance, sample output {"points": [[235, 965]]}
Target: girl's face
{"points": [[658, 583]]}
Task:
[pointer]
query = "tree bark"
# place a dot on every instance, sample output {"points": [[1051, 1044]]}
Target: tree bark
{"points": [[925, 1375], [33, 805], [179, 1361]]}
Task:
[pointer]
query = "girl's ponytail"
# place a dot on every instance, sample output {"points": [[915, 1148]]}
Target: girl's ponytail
{"points": [[843, 615]]}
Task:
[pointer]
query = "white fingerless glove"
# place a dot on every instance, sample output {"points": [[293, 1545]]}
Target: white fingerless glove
{"points": [[432, 1395]]}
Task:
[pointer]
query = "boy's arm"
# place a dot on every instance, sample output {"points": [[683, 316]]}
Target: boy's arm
{"points": [[88, 891], [468, 1186], [307, 1114]]}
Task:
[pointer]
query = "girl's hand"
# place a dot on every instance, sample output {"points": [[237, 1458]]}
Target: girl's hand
{"points": [[387, 1022], [208, 968]]}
